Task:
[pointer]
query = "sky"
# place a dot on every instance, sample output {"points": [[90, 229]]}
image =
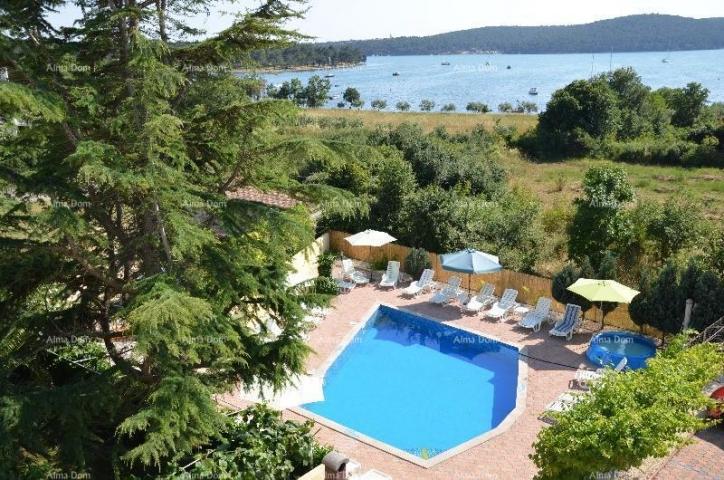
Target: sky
{"points": [[359, 19]]}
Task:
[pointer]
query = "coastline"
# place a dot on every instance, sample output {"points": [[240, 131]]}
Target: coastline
{"points": [[299, 68]]}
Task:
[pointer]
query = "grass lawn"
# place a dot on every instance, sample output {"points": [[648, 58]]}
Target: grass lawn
{"points": [[454, 122], [559, 182]]}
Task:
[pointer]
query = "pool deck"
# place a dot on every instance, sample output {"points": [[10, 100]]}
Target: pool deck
{"points": [[502, 457]]}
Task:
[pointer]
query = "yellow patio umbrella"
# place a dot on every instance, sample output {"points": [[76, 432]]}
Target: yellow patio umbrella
{"points": [[603, 291]]}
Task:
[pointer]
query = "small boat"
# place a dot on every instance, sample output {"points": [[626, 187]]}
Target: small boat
{"points": [[329, 75], [508, 67], [664, 60], [533, 91], [445, 63], [396, 74]]}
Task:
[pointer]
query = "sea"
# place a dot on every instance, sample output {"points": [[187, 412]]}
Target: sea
{"points": [[497, 78]]}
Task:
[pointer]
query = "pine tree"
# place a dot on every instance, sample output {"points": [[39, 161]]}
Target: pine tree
{"points": [[115, 227]]}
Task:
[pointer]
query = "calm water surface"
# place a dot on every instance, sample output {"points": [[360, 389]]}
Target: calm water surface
{"points": [[486, 78]]}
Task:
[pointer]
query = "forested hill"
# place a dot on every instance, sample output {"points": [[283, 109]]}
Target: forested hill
{"points": [[623, 34]]}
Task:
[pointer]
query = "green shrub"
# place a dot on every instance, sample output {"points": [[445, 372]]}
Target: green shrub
{"points": [[477, 107], [416, 261], [379, 263], [564, 279], [325, 262], [326, 286], [258, 444], [631, 416]]}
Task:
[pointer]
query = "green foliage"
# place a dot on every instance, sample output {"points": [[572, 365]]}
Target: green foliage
{"points": [[505, 107], [470, 159], [416, 261], [314, 95], [615, 115], [427, 105], [428, 220], [642, 34], [119, 226], [564, 279], [403, 106], [379, 105], [677, 226], [317, 91], [662, 301], [599, 223], [714, 252], [379, 263], [395, 183], [629, 417], [352, 96], [578, 115], [444, 221], [325, 263], [477, 107], [307, 54], [687, 103], [448, 107], [526, 107], [257, 444], [326, 286]]}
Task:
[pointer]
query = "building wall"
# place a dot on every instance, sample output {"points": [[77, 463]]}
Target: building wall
{"points": [[305, 262]]}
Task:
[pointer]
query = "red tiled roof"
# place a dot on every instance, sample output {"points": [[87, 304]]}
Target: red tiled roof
{"points": [[272, 199]]}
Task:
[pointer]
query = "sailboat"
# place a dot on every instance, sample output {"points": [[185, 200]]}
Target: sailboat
{"points": [[533, 91]]}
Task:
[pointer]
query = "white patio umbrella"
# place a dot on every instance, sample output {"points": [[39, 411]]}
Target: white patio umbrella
{"points": [[370, 238], [303, 389]]}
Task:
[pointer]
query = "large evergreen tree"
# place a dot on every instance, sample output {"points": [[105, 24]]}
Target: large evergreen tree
{"points": [[115, 228]]}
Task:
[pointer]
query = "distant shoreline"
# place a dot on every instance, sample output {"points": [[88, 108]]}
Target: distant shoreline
{"points": [[299, 68]]}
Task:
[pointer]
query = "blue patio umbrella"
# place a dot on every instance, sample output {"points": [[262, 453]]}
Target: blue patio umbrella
{"points": [[470, 261]]}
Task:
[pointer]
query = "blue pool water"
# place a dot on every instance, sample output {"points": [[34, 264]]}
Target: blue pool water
{"points": [[418, 385], [608, 348]]}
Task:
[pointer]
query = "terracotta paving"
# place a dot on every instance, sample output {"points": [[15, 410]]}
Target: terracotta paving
{"points": [[500, 458], [702, 460], [503, 457]]}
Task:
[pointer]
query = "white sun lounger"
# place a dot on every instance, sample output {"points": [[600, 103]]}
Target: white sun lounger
{"points": [[450, 291], [585, 377], [564, 402], [536, 318], [421, 285], [504, 305], [350, 274], [484, 298], [345, 285], [391, 276], [569, 323]]}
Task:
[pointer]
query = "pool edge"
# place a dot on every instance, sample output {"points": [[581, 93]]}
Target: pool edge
{"points": [[506, 424]]}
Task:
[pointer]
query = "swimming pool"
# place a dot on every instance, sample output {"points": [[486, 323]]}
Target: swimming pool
{"points": [[418, 386], [608, 348]]}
